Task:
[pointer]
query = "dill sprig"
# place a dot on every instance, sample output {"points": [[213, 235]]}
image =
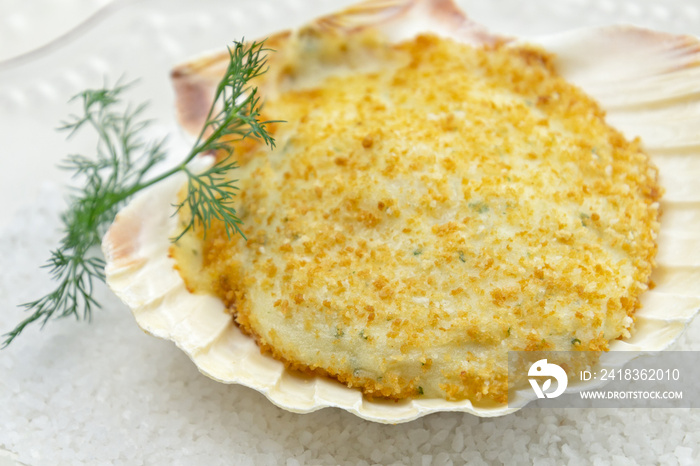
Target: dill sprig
{"points": [[121, 168], [209, 194]]}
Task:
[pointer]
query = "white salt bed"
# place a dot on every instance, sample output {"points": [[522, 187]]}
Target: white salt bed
{"points": [[106, 393]]}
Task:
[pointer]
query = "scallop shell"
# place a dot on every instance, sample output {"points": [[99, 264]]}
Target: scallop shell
{"points": [[648, 83]]}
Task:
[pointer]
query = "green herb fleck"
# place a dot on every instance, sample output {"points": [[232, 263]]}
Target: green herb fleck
{"points": [[575, 341], [338, 332], [417, 252], [584, 217], [461, 256], [362, 334], [480, 207], [420, 390]]}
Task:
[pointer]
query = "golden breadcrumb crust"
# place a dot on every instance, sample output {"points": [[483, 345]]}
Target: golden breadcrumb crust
{"points": [[430, 206]]}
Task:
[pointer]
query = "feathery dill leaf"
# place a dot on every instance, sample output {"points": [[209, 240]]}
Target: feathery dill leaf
{"points": [[121, 168], [209, 194]]}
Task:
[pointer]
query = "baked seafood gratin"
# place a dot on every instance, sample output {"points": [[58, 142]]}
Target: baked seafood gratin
{"points": [[434, 201], [419, 219]]}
